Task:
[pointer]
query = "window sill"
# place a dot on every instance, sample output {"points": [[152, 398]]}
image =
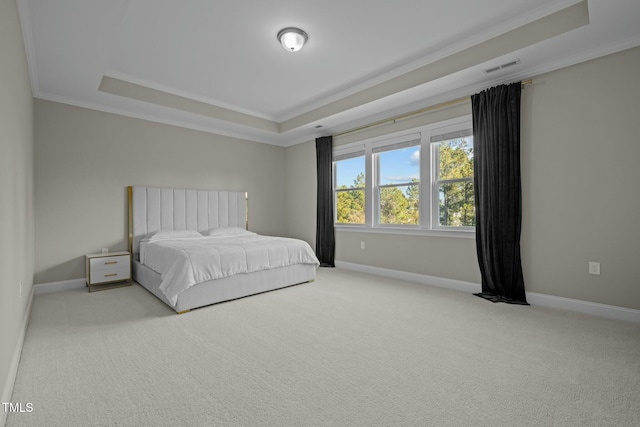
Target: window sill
{"points": [[464, 234]]}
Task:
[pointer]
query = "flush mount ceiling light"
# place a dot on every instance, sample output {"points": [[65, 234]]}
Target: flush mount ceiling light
{"points": [[292, 39]]}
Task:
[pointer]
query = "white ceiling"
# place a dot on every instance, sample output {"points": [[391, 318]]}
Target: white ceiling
{"points": [[216, 66]]}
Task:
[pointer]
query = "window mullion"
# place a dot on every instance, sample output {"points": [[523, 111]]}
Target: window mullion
{"points": [[454, 180], [369, 187], [402, 184], [425, 180], [338, 190], [335, 194], [435, 193]]}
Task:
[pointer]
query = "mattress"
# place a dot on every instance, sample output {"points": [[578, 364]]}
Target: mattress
{"points": [[226, 289], [187, 261]]}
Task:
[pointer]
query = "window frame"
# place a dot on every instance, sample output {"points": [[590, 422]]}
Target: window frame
{"points": [[346, 154], [371, 147], [435, 182], [406, 141]]}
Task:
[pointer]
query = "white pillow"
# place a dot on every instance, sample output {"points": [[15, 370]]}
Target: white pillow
{"points": [[228, 231], [171, 234]]}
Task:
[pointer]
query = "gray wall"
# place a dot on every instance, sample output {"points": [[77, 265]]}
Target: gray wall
{"points": [[16, 189], [301, 187], [579, 145], [580, 180], [85, 159]]}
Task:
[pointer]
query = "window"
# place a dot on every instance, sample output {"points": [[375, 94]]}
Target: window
{"points": [[349, 184], [418, 181], [398, 183], [453, 180]]}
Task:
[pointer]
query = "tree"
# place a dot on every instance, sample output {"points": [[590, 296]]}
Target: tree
{"points": [[456, 206], [350, 203], [413, 197], [393, 206], [397, 207]]}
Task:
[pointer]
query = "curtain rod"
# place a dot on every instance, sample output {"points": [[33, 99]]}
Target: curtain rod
{"points": [[415, 113]]}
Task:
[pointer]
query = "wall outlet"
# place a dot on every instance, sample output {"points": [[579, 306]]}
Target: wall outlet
{"points": [[361, 245], [105, 250], [594, 268]]}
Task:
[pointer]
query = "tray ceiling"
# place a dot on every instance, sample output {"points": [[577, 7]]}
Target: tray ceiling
{"points": [[217, 66]]}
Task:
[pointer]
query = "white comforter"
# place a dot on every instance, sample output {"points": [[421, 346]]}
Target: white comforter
{"points": [[183, 263]]}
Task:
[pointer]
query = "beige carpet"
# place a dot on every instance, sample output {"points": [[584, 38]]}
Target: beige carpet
{"points": [[348, 350]]}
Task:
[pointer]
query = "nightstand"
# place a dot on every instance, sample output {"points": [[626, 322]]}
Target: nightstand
{"points": [[107, 271]]}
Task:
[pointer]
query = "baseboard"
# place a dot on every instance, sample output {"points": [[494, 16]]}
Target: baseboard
{"points": [[424, 279], [15, 361], [65, 285], [580, 306], [587, 307]]}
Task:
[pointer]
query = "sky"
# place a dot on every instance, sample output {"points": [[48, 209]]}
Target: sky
{"points": [[396, 166]]}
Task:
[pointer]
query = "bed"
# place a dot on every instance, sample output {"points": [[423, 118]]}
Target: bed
{"points": [[193, 248]]}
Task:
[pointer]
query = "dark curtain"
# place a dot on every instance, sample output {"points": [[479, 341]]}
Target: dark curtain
{"points": [[325, 238], [496, 145]]}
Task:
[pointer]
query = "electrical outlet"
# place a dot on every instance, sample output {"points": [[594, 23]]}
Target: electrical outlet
{"points": [[361, 245], [105, 250], [594, 268]]}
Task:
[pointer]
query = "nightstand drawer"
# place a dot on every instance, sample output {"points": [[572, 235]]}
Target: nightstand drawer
{"points": [[110, 275], [109, 263], [108, 270]]}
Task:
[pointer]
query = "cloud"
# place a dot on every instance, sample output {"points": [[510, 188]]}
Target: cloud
{"points": [[415, 157]]}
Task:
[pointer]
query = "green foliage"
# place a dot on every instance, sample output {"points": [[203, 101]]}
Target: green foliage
{"points": [[456, 199], [413, 197], [456, 159], [393, 205], [350, 204], [398, 207]]}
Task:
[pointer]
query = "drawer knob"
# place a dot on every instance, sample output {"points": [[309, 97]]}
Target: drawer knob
{"points": [[110, 262], [110, 275]]}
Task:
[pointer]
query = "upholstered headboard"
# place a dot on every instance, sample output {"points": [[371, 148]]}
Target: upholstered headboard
{"points": [[153, 209]]}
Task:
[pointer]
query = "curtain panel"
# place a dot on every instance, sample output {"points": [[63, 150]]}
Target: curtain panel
{"points": [[325, 237], [496, 145]]}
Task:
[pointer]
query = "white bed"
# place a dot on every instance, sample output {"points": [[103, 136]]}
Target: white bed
{"points": [[163, 211]]}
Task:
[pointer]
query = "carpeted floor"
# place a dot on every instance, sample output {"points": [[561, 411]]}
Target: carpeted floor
{"points": [[347, 350]]}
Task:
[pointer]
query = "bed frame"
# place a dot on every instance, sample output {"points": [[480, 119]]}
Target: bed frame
{"points": [[153, 209]]}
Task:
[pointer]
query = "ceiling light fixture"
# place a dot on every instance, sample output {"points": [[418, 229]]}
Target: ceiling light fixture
{"points": [[292, 39]]}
